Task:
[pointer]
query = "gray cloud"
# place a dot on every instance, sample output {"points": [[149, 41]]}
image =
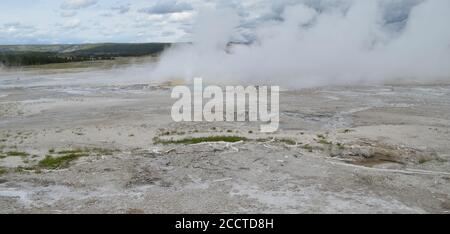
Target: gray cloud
{"points": [[178, 16], [167, 7], [72, 24], [14, 28], [121, 9], [77, 4], [16, 33], [394, 13], [107, 14], [167, 33], [67, 14]]}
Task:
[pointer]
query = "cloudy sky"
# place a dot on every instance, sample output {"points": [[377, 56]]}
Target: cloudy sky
{"points": [[90, 21], [84, 21]]}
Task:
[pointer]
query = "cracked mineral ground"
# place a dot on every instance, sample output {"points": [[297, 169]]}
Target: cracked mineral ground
{"points": [[72, 143]]}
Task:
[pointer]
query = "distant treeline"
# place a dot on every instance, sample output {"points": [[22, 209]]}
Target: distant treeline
{"points": [[38, 58], [94, 52]]}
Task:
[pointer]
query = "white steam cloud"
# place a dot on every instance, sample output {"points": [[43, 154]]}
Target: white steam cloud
{"points": [[327, 43]]}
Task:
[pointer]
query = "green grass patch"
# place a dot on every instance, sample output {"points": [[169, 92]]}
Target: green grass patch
{"points": [[102, 151], [288, 141], [74, 151], [322, 139], [262, 140], [324, 142], [21, 169], [340, 146], [308, 148], [320, 136], [50, 162], [3, 171], [423, 160], [16, 154], [191, 141], [63, 159], [87, 151]]}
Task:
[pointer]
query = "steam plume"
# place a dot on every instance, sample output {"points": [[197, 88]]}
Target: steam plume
{"points": [[319, 44]]}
